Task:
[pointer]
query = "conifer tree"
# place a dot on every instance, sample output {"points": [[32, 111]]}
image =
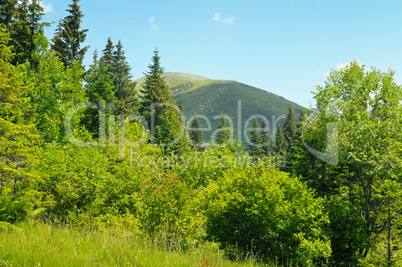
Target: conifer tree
{"points": [[24, 28], [223, 136], [300, 121], [99, 87], [17, 136], [107, 56], [255, 146], [280, 141], [158, 108], [124, 88], [195, 133], [289, 130], [69, 36], [155, 89], [265, 138], [8, 10]]}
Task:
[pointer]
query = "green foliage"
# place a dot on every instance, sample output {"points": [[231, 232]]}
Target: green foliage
{"points": [[8, 9], [265, 139], [54, 91], [268, 213], [225, 132], [107, 56], [256, 140], [99, 89], [124, 88], [22, 19], [289, 130], [280, 141], [183, 198], [18, 139], [365, 107], [195, 134]]}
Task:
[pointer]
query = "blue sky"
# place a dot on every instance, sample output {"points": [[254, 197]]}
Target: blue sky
{"points": [[284, 46]]}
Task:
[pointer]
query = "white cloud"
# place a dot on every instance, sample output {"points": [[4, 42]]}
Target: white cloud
{"points": [[217, 16], [46, 7], [228, 20], [152, 23], [341, 65]]}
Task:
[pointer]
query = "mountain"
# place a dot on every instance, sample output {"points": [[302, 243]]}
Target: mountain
{"points": [[208, 98]]}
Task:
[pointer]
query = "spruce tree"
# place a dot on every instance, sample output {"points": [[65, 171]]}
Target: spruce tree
{"points": [[99, 87], [300, 121], [280, 141], [157, 107], [223, 136], [69, 36], [289, 130], [195, 134], [265, 138], [124, 88], [155, 89], [24, 28], [17, 136], [107, 56], [8, 10], [255, 146]]}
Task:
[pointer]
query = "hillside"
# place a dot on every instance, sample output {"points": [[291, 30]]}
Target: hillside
{"points": [[205, 97]]}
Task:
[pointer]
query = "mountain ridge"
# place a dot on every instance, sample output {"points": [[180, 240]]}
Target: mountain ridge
{"points": [[208, 99]]}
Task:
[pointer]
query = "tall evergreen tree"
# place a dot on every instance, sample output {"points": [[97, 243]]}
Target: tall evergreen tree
{"points": [[223, 136], [8, 10], [195, 133], [24, 28], [280, 142], [157, 107], [17, 137], [69, 36], [265, 138], [99, 87], [300, 121], [155, 89], [124, 88], [289, 130], [255, 146], [107, 56]]}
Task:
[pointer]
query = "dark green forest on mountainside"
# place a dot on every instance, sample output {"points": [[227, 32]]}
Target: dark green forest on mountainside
{"points": [[97, 168]]}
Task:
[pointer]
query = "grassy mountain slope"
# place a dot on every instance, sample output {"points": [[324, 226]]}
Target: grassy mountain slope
{"points": [[209, 98]]}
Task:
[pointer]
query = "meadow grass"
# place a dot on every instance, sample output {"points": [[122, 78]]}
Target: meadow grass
{"points": [[40, 244]]}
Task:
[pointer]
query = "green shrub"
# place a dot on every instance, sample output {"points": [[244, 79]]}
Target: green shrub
{"points": [[165, 210], [13, 209], [269, 213]]}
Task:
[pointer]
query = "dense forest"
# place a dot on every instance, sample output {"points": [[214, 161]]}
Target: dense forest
{"points": [[96, 169]]}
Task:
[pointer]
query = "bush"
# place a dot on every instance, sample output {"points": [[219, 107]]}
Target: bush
{"points": [[267, 212]]}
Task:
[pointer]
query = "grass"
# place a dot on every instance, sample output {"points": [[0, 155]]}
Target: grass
{"points": [[40, 244]]}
